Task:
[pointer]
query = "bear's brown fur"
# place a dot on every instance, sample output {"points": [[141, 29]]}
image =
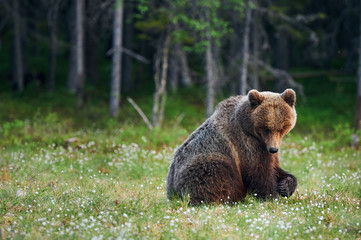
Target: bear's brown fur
{"points": [[235, 151]]}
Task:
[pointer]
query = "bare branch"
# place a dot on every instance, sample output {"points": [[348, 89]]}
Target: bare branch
{"points": [[130, 53], [141, 113], [135, 55], [280, 74], [178, 120], [103, 6]]}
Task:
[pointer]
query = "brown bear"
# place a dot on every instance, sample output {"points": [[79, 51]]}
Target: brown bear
{"points": [[236, 151]]}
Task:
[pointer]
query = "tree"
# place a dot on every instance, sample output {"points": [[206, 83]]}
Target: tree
{"points": [[116, 60], [92, 39], [160, 79], [245, 49], [355, 137], [174, 70], [52, 23], [281, 56], [178, 68], [71, 81], [184, 67], [282, 27], [18, 52], [358, 101], [254, 76], [210, 70], [80, 76], [127, 61], [202, 22]]}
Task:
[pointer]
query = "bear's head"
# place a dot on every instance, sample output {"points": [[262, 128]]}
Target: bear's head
{"points": [[273, 115]]}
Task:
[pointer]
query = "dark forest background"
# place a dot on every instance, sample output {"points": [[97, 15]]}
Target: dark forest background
{"points": [[70, 56]]}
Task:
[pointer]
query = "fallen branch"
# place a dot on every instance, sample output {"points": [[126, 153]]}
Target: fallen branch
{"points": [[141, 113], [179, 120]]}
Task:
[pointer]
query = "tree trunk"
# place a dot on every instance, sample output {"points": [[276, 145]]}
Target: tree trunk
{"points": [[19, 68], [52, 20], [92, 41], [183, 62], [211, 77], [173, 69], [128, 40], [245, 49], [71, 81], [282, 57], [160, 81], [349, 34], [358, 103], [254, 77], [358, 118], [355, 136], [139, 67], [53, 47], [117, 58], [80, 78]]}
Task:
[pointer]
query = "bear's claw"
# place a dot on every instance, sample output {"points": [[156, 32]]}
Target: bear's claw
{"points": [[287, 186]]}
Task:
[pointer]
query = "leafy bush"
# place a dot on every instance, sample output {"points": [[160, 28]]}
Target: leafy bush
{"points": [[13, 132], [342, 133], [46, 129]]}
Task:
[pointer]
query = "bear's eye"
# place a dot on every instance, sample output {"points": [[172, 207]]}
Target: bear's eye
{"points": [[267, 130]]}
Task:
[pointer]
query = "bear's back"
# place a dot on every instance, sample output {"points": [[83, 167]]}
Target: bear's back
{"points": [[210, 138]]}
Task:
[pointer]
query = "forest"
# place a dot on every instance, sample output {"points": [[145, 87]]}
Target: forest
{"points": [[96, 95]]}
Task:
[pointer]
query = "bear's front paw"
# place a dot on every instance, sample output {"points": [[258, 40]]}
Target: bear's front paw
{"points": [[287, 186]]}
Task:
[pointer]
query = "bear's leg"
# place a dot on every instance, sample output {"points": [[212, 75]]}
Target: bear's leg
{"points": [[286, 183], [210, 180], [170, 182], [262, 185]]}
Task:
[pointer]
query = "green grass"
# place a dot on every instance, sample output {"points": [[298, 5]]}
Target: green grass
{"points": [[111, 182]]}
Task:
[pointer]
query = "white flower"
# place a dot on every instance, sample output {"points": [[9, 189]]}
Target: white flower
{"points": [[20, 193]]}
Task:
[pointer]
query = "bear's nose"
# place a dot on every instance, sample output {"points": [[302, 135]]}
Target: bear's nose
{"points": [[273, 150]]}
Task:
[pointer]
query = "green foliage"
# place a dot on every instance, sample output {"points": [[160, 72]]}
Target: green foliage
{"points": [[118, 4], [39, 129], [322, 110], [190, 21], [342, 135], [199, 19], [154, 23], [142, 8], [13, 131]]}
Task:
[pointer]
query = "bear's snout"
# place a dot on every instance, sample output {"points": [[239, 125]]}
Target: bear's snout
{"points": [[273, 150]]}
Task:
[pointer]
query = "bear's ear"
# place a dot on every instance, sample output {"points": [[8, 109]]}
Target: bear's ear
{"points": [[289, 96], [255, 98]]}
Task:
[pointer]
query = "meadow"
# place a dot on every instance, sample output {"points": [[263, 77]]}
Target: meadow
{"points": [[78, 174]]}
